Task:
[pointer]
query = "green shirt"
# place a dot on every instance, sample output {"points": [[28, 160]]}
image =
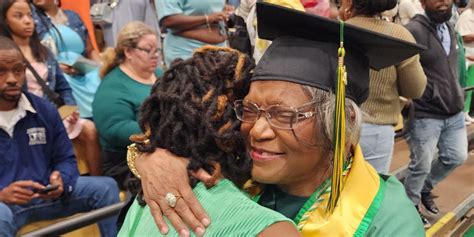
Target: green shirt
{"points": [[115, 109], [232, 214], [396, 215]]}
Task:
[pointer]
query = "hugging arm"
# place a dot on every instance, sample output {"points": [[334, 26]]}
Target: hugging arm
{"points": [[161, 173]]}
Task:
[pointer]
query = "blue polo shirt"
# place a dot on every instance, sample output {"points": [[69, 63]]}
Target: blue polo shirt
{"points": [[39, 146]]}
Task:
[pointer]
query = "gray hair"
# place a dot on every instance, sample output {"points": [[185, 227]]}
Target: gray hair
{"points": [[325, 118]]}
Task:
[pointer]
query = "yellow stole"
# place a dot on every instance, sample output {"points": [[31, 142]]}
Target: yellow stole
{"points": [[359, 201]]}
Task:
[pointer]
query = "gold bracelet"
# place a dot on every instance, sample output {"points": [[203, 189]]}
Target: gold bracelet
{"points": [[132, 154]]}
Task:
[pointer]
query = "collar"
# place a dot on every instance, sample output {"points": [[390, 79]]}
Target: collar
{"points": [[25, 104], [8, 123]]}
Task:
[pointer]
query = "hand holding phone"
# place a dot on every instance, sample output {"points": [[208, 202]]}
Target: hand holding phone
{"points": [[48, 188], [55, 188]]}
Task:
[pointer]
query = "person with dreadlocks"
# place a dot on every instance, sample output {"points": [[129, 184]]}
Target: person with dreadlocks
{"points": [[190, 113], [301, 126]]}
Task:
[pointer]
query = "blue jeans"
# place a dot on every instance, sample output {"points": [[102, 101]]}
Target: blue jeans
{"points": [[425, 135], [377, 142], [89, 193]]}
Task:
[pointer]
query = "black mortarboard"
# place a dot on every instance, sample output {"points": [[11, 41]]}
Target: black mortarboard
{"points": [[305, 50]]}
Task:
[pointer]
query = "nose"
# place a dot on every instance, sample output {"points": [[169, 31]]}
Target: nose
{"points": [[261, 130], [11, 79], [155, 54], [27, 20]]}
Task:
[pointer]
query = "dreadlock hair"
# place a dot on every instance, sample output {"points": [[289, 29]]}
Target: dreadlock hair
{"points": [[190, 111]]}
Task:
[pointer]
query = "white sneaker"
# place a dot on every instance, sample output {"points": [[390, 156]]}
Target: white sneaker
{"points": [[468, 118]]}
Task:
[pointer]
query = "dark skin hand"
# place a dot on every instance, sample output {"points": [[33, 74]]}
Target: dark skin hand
{"points": [[188, 213], [54, 179], [468, 38], [205, 35], [181, 22], [73, 118], [20, 192], [68, 69]]}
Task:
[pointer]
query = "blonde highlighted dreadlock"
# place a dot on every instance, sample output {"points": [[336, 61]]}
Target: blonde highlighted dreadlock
{"points": [[190, 111]]}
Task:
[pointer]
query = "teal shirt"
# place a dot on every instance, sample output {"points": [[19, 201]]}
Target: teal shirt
{"points": [[232, 214], [115, 109], [176, 46]]}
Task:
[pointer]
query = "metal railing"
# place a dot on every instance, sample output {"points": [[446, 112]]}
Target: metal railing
{"points": [[78, 222]]}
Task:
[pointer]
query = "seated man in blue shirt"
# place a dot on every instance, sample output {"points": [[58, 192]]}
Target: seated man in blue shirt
{"points": [[35, 152]]}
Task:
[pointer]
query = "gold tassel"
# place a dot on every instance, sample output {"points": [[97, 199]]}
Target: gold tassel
{"points": [[339, 136]]}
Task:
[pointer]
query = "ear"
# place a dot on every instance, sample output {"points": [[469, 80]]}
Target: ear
{"points": [[128, 52], [352, 116]]}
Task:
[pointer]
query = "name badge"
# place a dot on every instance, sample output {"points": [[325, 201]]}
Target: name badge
{"points": [[37, 136]]}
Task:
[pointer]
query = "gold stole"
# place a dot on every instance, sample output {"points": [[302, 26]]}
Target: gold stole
{"points": [[350, 217]]}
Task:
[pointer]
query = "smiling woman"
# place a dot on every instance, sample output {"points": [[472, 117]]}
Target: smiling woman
{"points": [[273, 147], [301, 122], [190, 113]]}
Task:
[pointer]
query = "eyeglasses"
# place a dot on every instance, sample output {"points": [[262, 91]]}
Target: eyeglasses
{"points": [[18, 71], [150, 52], [278, 116]]}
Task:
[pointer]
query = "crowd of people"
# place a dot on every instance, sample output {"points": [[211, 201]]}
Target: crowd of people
{"points": [[243, 117]]}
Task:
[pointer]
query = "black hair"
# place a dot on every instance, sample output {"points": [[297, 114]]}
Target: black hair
{"points": [[39, 51], [7, 44], [190, 111], [372, 7]]}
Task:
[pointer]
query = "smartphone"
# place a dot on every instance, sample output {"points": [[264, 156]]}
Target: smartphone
{"points": [[47, 189]]}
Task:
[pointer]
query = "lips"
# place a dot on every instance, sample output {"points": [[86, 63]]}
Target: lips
{"points": [[12, 90], [442, 8], [258, 154]]}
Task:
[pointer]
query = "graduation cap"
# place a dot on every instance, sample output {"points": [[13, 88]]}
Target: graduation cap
{"points": [[327, 54], [305, 50]]}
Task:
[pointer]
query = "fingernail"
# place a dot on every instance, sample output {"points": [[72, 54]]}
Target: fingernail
{"points": [[199, 231], [184, 233], [164, 230], [206, 222]]}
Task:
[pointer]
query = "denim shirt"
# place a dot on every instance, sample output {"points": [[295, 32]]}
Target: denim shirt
{"points": [[57, 82], [74, 22]]}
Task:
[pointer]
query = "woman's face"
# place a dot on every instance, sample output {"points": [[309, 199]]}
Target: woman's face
{"points": [[278, 156], [19, 20], [145, 56]]}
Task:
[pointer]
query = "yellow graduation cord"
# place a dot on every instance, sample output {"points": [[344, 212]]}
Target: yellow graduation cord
{"points": [[339, 136]]}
